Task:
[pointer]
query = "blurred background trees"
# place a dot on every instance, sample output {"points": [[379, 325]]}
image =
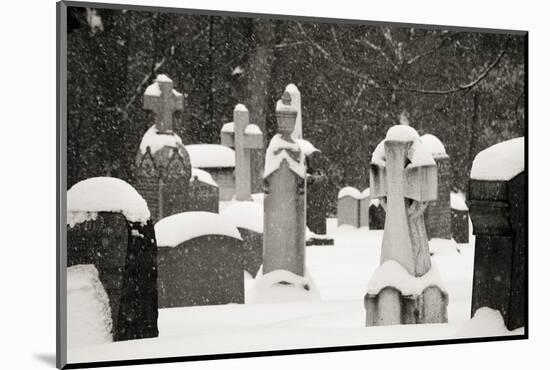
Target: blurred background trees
{"points": [[356, 81]]}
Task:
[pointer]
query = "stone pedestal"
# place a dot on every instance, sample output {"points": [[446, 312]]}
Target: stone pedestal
{"points": [[498, 213]]}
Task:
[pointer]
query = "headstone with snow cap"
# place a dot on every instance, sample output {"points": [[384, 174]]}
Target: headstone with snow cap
{"points": [[460, 222], [438, 214], [199, 260], [109, 227], [364, 206], [163, 167], [296, 103], [377, 215], [284, 197], [204, 194], [348, 206], [406, 287], [244, 137], [497, 205]]}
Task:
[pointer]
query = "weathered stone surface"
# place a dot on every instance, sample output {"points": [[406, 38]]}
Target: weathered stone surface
{"points": [[498, 213], [348, 211], [319, 191], [206, 270], [125, 256], [377, 216], [252, 250], [405, 180], [438, 213], [284, 198], [246, 139], [460, 227], [203, 196]]}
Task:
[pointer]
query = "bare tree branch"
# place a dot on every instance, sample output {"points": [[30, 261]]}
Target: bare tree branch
{"points": [[377, 48], [461, 87]]}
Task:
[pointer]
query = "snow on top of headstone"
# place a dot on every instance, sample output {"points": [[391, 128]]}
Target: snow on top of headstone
{"points": [[402, 133], [486, 322], [307, 147], [210, 155], [365, 193], [176, 93], [156, 141], [240, 108], [349, 191], [252, 129], [247, 215], [435, 145], [277, 152], [292, 89], [203, 176], [282, 286], [89, 319], [104, 194], [163, 78], [173, 230], [458, 201], [153, 90], [420, 155], [228, 127], [392, 274], [502, 161]]}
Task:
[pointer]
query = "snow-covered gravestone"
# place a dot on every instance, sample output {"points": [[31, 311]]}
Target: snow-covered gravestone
{"points": [[377, 215], [109, 227], [284, 199], [496, 200], [243, 137], [353, 207], [406, 288], [460, 222], [438, 213], [204, 194], [348, 206], [163, 167], [296, 103], [199, 260]]}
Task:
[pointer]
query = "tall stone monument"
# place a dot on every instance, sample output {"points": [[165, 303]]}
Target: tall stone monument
{"points": [[498, 209], [284, 197], [244, 137], [163, 167], [406, 288]]}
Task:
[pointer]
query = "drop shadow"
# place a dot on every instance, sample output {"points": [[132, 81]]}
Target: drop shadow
{"points": [[47, 358]]}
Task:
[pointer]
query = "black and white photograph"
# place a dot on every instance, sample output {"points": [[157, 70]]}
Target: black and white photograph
{"points": [[240, 184]]}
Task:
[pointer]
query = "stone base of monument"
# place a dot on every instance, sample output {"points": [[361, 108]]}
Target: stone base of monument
{"points": [[282, 286], [395, 298]]}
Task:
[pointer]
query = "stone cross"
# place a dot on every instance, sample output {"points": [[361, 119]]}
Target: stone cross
{"points": [[284, 197], [403, 175], [163, 100], [405, 189], [243, 138]]}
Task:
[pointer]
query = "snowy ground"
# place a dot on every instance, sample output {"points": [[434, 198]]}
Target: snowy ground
{"points": [[341, 273]]}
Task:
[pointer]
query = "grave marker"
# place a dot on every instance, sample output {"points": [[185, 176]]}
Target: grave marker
{"points": [[284, 199], [109, 227], [243, 137], [498, 210], [404, 173]]}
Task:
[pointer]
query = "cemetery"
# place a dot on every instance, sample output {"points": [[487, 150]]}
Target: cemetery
{"points": [[247, 243]]}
